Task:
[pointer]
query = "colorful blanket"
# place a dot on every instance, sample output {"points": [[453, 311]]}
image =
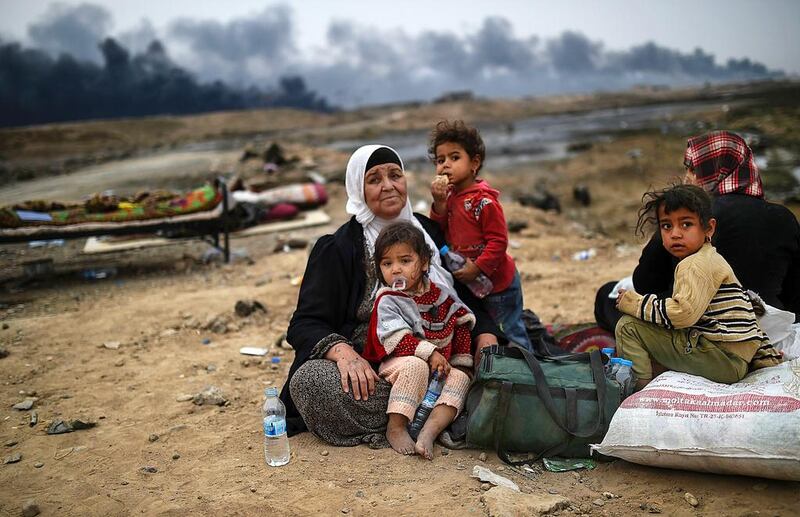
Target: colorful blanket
{"points": [[581, 337], [199, 200]]}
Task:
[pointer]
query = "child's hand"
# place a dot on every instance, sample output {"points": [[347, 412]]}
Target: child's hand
{"points": [[440, 364], [468, 273], [439, 190]]}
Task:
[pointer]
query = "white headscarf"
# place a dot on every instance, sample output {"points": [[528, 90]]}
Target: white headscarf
{"points": [[372, 224]]}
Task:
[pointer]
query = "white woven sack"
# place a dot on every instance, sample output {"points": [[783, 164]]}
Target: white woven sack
{"points": [[681, 421]]}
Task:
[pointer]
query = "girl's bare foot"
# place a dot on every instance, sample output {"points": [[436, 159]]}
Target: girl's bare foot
{"points": [[397, 434], [440, 417]]}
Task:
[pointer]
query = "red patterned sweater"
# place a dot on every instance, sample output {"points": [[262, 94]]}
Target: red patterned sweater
{"points": [[404, 325]]}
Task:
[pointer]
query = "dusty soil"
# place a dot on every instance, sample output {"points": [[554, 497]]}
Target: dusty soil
{"points": [[209, 459]]}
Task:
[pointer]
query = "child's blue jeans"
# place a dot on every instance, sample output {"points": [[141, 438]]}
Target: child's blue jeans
{"points": [[505, 308]]}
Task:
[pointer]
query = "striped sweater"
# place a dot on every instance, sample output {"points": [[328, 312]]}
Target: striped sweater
{"points": [[707, 297]]}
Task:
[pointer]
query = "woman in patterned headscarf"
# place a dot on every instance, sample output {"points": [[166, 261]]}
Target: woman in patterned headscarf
{"points": [[331, 390], [760, 240]]}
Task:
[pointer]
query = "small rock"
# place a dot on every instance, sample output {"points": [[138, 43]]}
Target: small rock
{"points": [[324, 453], [5, 326], [120, 362], [445, 451], [11, 443], [30, 509], [485, 486], [585, 508], [253, 489], [360, 493], [149, 469], [345, 510], [504, 501], [501, 468], [3, 352], [212, 395], [123, 482], [38, 464], [760, 487], [176, 456], [482, 456], [650, 507], [608, 495], [205, 341], [598, 502], [24, 405], [244, 308], [552, 491], [14, 458], [34, 418], [211, 368], [692, 500], [168, 333], [184, 398], [153, 438], [112, 345]]}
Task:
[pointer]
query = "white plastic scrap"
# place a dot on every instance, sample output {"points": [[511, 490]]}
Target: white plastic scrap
{"points": [[487, 476]]}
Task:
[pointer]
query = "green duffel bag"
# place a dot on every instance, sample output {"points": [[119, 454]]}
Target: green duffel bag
{"points": [[550, 406]]}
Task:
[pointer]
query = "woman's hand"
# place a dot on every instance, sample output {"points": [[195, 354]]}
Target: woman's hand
{"points": [[439, 364], [439, 189], [354, 370], [468, 273]]}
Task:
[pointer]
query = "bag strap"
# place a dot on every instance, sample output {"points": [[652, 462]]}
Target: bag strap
{"points": [[543, 390]]}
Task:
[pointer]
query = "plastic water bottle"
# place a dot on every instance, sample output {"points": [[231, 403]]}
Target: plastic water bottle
{"points": [[608, 352], [481, 286], [624, 376], [426, 406], [276, 442]]}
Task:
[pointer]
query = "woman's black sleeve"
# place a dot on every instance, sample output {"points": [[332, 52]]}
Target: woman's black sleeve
{"points": [[654, 273], [322, 301], [790, 289]]}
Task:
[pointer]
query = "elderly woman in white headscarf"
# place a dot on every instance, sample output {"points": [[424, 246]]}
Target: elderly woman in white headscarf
{"points": [[333, 391]]}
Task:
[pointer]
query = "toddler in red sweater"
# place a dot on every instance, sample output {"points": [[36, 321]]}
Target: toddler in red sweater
{"points": [[470, 214]]}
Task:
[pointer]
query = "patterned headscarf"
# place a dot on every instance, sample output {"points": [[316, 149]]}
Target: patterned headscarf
{"points": [[723, 164]]}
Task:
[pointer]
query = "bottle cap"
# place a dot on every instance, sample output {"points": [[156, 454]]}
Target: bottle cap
{"points": [[444, 249], [626, 362], [616, 360], [608, 351], [271, 392]]}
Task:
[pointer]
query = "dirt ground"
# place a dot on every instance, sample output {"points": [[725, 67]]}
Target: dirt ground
{"points": [[124, 351], [209, 459]]}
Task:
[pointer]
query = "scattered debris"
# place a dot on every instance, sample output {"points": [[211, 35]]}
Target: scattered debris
{"points": [[482, 456], [581, 194], [59, 426], [149, 469], [245, 308], [567, 464], [34, 418], [25, 404], [184, 398], [14, 458], [487, 475], [584, 254], [540, 198], [211, 395], [153, 438], [504, 501], [112, 345], [30, 509], [692, 500], [287, 245], [252, 350]]}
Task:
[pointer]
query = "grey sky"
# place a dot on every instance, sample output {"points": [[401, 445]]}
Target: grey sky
{"points": [[767, 31]]}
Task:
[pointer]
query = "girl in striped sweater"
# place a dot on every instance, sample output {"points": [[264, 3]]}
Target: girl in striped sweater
{"points": [[707, 326]]}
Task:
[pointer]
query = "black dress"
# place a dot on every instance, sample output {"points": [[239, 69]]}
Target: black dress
{"points": [[334, 305], [760, 240]]}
